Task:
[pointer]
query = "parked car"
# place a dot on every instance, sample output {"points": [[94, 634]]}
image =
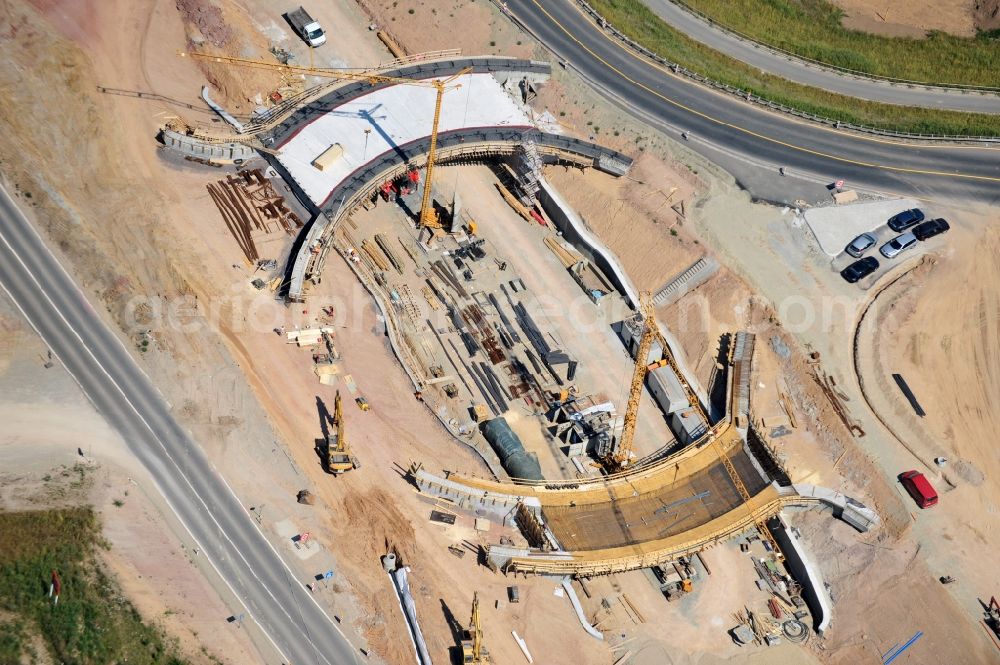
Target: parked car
{"points": [[860, 245], [919, 488], [930, 229], [860, 269], [906, 219], [898, 245]]}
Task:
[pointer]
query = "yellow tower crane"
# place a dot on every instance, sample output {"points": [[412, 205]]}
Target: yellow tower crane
{"points": [[339, 457], [428, 216], [622, 454], [473, 651]]}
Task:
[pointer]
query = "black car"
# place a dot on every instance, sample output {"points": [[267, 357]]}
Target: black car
{"points": [[930, 229], [860, 269], [906, 219]]}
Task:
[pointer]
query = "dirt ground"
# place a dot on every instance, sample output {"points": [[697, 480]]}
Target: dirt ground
{"points": [[937, 327], [421, 26], [915, 18], [796, 286], [45, 420], [143, 226]]}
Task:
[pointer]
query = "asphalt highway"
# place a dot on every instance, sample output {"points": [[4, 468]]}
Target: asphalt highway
{"points": [[224, 531], [800, 71], [744, 138]]}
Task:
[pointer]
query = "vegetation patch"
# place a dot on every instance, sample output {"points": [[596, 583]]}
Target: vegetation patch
{"points": [[812, 29], [634, 19], [92, 624]]}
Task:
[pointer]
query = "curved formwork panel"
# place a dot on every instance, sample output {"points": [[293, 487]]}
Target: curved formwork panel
{"points": [[763, 506], [379, 131], [472, 144]]}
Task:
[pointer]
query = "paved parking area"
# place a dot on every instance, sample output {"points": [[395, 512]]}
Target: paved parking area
{"points": [[835, 226]]}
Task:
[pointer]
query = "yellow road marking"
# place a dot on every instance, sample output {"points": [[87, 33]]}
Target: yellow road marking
{"points": [[791, 146], [862, 137]]}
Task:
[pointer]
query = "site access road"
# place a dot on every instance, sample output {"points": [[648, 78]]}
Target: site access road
{"points": [[223, 530], [743, 137]]}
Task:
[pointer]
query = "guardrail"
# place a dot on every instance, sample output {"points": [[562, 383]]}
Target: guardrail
{"points": [[962, 87], [747, 95]]}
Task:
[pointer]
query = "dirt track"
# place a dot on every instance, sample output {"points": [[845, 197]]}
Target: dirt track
{"points": [[939, 328]]}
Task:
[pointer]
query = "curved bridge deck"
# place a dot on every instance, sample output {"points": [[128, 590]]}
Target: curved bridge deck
{"points": [[374, 166]]}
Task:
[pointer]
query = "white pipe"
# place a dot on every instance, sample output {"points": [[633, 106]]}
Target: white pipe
{"points": [[524, 647], [573, 598]]}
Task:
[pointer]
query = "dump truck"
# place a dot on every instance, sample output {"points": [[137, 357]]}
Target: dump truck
{"points": [[307, 28]]}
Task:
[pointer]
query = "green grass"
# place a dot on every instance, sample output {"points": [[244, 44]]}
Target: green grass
{"points": [[633, 18], [92, 623], [812, 29]]}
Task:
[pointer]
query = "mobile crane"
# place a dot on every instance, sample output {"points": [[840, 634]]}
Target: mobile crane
{"points": [[428, 215]]}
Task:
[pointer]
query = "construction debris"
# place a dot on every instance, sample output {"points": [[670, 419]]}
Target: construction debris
{"points": [[249, 203]]}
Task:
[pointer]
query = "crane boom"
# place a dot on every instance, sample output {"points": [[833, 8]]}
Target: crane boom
{"points": [[428, 216], [623, 452]]}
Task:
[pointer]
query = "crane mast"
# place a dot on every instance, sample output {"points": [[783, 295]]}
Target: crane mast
{"points": [[622, 453], [428, 216]]}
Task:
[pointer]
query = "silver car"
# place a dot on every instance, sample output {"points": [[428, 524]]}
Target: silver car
{"points": [[898, 244], [860, 245]]}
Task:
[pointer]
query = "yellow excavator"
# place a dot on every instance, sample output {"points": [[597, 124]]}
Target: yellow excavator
{"points": [[339, 457], [473, 651]]}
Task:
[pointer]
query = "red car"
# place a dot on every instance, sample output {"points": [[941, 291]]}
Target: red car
{"points": [[919, 488]]}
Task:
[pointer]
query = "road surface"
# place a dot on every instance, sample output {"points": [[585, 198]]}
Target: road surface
{"points": [[800, 71], [745, 139], [123, 394]]}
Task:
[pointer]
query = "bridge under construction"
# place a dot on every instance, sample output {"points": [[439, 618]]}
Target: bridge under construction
{"points": [[655, 512]]}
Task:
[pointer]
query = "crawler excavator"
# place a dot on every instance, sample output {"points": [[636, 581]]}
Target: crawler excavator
{"points": [[473, 651], [339, 457]]}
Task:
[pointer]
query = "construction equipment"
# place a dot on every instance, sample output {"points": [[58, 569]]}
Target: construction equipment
{"points": [[338, 454], [473, 651], [428, 216], [992, 616], [362, 403], [620, 456], [622, 453]]}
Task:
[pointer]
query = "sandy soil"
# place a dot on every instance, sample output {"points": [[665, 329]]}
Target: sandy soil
{"points": [[421, 26], [251, 400], [798, 288], [938, 328], [910, 18], [46, 419]]}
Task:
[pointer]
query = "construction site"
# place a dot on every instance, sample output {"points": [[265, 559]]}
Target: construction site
{"points": [[475, 423], [520, 332]]}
